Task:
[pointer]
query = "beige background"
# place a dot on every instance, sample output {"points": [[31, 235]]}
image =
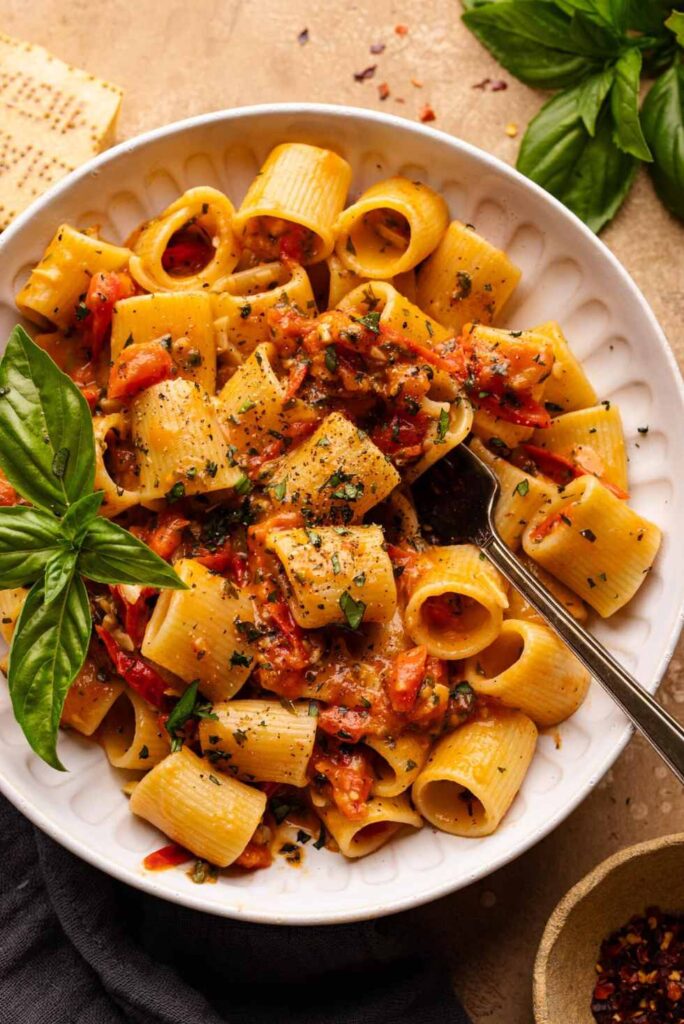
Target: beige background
{"points": [[175, 59]]}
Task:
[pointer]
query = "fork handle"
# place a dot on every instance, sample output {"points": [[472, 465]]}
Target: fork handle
{"points": [[659, 727]]}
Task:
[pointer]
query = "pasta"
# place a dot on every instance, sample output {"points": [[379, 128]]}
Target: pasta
{"points": [[527, 667], [594, 543], [291, 206], [185, 319], [466, 279], [392, 227], [215, 818], [189, 247], [266, 386], [202, 632], [473, 774], [260, 740], [54, 289], [455, 601]]}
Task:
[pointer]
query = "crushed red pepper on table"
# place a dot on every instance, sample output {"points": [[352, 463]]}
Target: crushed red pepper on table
{"points": [[427, 113], [363, 76], [641, 972]]}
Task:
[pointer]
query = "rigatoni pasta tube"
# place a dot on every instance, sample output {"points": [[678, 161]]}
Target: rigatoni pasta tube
{"points": [[338, 472], [241, 306], [131, 734], [385, 817], [487, 427], [593, 438], [185, 319], [455, 601], [399, 761], [253, 403], [88, 700], [213, 816], [299, 185], [568, 387], [180, 442], [450, 423], [342, 280], [391, 227], [520, 495], [260, 740], [202, 632], [594, 543], [529, 668], [473, 774], [116, 498], [62, 276], [465, 279], [325, 564], [202, 209]]}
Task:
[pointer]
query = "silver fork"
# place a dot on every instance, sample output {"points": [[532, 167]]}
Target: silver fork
{"points": [[455, 501]]}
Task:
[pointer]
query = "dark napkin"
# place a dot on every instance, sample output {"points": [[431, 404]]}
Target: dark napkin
{"points": [[76, 947]]}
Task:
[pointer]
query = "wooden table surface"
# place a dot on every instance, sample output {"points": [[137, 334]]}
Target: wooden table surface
{"points": [[175, 59]]}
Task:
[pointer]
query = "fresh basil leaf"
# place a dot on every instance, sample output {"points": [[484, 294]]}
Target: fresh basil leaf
{"points": [[648, 15], [591, 97], [662, 117], [79, 516], [110, 554], [592, 38], [48, 649], [183, 710], [675, 23], [352, 610], [47, 448], [58, 573], [590, 175], [624, 102], [531, 38], [606, 12], [28, 540]]}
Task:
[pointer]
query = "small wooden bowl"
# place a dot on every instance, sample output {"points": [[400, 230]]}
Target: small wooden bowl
{"points": [[650, 874]]}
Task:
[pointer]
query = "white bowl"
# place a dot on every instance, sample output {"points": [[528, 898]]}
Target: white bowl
{"points": [[568, 275]]}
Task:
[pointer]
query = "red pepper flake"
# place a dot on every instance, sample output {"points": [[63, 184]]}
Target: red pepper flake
{"points": [[427, 113], [417, 83], [401, 30], [303, 37], [377, 48], [383, 90], [363, 76], [494, 85], [641, 972]]}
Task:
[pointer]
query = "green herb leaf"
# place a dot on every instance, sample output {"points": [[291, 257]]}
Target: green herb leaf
{"points": [[47, 449], [532, 39], [58, 573], [591, 176], [352, 610], [522, 488], [331, 362], [624, 102], [371, 321], [183, 710], [48, 649], [591, 97], [442, 425], [110, 554], [612, 13], [675, 23], [662, 117], [79, 516], [29, 538]]}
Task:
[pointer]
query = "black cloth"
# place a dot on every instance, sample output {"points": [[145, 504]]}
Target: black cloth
{"points": [[77, 947]]}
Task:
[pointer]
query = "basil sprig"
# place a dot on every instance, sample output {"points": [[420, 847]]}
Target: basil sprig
{"points": [[47, 451], [585, 144]]}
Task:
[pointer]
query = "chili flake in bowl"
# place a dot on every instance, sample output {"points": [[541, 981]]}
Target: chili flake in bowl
{"points": [[641, 971], [603, 959]]}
